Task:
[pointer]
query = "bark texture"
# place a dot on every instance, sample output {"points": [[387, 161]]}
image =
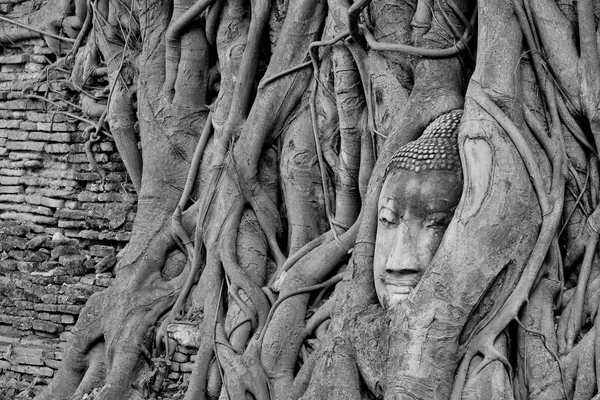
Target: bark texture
{"points": [[257, 133]]}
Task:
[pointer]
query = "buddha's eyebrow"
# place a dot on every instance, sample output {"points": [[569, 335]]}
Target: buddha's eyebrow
{"points": [[389, 202], [439, 202]]}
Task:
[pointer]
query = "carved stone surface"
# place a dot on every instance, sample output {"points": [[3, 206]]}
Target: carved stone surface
{"points": [[421, 190]]}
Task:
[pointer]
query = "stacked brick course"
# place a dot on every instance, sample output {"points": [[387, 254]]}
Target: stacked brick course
{"points": [[61, 225]]}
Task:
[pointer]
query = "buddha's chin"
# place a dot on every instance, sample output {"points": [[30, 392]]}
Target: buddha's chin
{"points": [[398, 294]]}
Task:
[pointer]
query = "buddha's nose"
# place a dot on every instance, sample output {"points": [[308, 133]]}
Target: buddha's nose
{"points": [[403, 256]]}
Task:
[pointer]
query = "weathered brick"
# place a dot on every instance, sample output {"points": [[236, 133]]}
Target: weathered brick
{"points": [[116, 176], [12, 172], [45, 117], [179, 357], [12, 115], [59, 193], [105, 282], [28, 126], [69, 308], [41, 49], [101, 251], [15, 198], [57, 148], [50, 137], [33, 370], [26, 355], [186, 367], [32, 164], [65, 213], [45, 201], [84, 196], [8, 265], [27, 146], [94, 210], [68, 224], [31, 180], [58, 165], [64, 250], [17, 255], [87, 176], [46, 326], [24, 156], [107, 146], [11, 164], [15, 59], [105, 264], [173, 376], [13, 242], [14, 135], [25, 266], [9, 180], [38, 219], [67, 319], [10, 124], [49, 298], [117, 236], [36, 257], [24, 208], [20, 323], [117, 197], [54, 364], [81, 158], [33, 67], [73, 263], [57, 174], [89, 234], [13, 104], [56, 127]]}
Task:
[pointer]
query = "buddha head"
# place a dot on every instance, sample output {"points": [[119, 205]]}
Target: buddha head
{"points": [[421, 189]]}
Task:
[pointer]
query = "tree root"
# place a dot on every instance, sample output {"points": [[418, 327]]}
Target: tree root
{"points": [[213, 278], [321, 315], [238, 277], [315, 128], [279, 275], [551, 205], [179, 22], [281, 343], [93, 138], [422, 52], [212, 21], [350, 102], [39, 31], [353, 19], [576, 312], [266, 80], [86, 27], [536, 338], [122, 117], [195, 164], [578, 367], [242, 373], [328, 283]]}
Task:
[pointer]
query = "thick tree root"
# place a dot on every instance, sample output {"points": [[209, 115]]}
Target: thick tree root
{"points": [[482, 341]]}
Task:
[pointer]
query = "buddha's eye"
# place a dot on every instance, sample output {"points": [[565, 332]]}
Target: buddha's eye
{"points": [[388, 218], [438, 220]]}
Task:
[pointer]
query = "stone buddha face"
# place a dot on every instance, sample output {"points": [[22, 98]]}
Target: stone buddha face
{"points": [[421, 190]]}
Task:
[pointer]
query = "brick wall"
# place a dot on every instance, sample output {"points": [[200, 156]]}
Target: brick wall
{"points": [[61, 226]]}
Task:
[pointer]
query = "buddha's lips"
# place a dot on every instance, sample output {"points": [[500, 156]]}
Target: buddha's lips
{"points": [[401, 282]]}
